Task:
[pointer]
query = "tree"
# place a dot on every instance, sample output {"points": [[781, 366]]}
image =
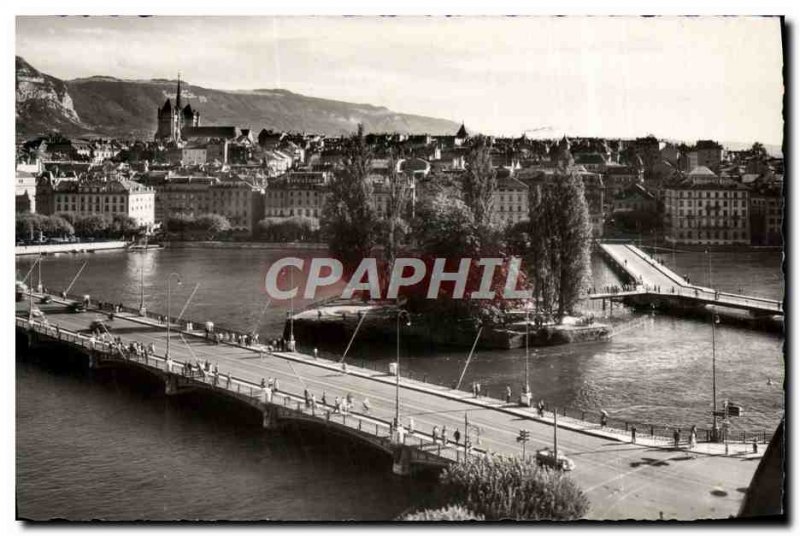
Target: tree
{"points": [[395, 227], [445, 226], [60, 226], [348, 216], [122, 224], [480, 183], [212, 224], [511, 488], [297, 228], [560, 239], [94, 225]]}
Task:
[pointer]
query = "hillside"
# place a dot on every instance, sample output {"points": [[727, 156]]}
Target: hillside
{"points": [[106, 106]]}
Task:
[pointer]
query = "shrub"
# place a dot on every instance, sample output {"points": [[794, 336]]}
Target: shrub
{"points": [[454, 512], [510, 488]]}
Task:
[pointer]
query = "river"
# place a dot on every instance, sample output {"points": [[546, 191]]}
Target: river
{"points": [[90, 446]]}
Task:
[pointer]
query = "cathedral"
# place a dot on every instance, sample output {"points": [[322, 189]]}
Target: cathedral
{"points": [[172, 122]]}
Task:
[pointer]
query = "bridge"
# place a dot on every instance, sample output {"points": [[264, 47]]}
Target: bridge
{"points": [[646, 479], [652, 282]]}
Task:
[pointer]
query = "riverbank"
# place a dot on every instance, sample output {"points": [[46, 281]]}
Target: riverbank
{"points": [[337, 322], [76, 247], [214, 244]]}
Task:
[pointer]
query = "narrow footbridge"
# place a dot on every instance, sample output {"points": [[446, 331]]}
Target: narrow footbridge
{"points": [[650, 280], [679, 486]]}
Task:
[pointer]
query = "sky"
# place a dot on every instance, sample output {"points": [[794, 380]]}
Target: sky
{"points": [[676, 78]]}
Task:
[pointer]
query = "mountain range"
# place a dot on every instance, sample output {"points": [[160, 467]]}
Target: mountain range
{"points": [[102, 106]]}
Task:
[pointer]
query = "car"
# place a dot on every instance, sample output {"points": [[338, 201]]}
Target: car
{"points": [[546, 457], [77, 307], [37, 313], [46, 299]]}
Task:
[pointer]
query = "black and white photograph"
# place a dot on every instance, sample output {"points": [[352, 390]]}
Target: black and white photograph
{"points": [[399, 269]]}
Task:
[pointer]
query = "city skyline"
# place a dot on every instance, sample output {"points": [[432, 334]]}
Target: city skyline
{"points": [[676, 78]]}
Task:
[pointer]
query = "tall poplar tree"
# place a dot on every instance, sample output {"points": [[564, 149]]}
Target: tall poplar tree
{"points": [[348, 218]]}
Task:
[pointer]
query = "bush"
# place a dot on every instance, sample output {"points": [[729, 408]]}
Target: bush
{"points": [[510, 488], [297, 228], [454, 512]]}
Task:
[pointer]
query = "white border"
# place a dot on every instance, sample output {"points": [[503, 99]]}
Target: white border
{"points": [[317, 7]]}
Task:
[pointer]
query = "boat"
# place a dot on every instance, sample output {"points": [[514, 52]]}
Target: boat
{"points": [[145, 247]]}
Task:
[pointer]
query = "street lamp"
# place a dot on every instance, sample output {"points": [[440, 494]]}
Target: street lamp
{"points": [[714, 320], [527, 392], [400, 313], [169, 300]]}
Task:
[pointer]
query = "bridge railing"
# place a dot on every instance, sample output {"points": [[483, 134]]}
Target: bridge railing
{"points": [[257, 395], [660, 433]]}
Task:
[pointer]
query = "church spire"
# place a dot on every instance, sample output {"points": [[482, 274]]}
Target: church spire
{"points": [[178, 94]]}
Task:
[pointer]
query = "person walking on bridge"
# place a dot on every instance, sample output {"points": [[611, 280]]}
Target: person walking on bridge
{"points": [[305, 396], [457, 436], [365, 404], [508, 394]]}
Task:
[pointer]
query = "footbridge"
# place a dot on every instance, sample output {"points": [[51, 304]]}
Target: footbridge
{"points": [[650, 282]]}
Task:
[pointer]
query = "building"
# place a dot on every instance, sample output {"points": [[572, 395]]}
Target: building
{"points": [[194, 154], [766, 213], [109, 197], [510, 201], [238, 201], [297, 193], [703, 208], [178, 123], [594, 193], [618, 178], [634, 199], [707, 153], [25, 192]]}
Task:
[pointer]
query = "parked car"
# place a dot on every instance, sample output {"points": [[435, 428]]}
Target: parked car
{"points": [[546, 457]]}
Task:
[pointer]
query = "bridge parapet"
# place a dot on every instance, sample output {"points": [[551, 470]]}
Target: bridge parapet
{"points": [[421, 450]]}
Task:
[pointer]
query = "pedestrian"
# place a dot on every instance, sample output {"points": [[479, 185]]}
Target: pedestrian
{"points": [[435, 434], [316, 353], [676, 436], [444, 434], [411, 425], [603, 419], [477, 389], [337, 405], [508, 394], [276, 385], [263, 383], [693, 438], [457, 436], [540, 407], [305, 396], [633, 434], [349, 400], [365, 404]]}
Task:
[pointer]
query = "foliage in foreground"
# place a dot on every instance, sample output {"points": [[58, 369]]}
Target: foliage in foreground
{"points": [[453, 512], [510, 488]]}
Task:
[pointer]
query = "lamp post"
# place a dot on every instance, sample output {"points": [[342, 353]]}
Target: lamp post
{"points": [[714, 320], [400, 313], [169, 300]]}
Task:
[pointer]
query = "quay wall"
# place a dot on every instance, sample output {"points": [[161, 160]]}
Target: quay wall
{"points": [[69, 248], [213, 244]]}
